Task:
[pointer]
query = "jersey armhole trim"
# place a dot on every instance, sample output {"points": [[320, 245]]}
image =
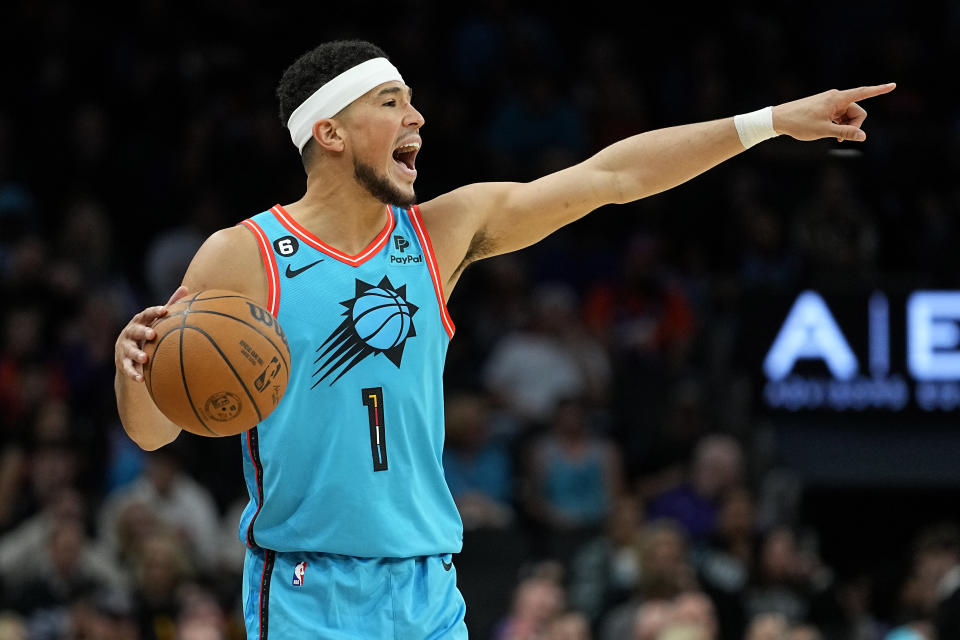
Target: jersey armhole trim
{"points": [[269, 265], [427, 246]]}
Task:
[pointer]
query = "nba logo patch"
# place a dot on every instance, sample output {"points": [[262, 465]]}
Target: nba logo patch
{"points": [[298, 572]]}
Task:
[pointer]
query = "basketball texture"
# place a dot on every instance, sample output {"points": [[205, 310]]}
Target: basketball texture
{"points": [[219, 364]]}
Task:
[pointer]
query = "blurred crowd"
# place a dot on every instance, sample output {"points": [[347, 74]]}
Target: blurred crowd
{"points": [[603, 440]]}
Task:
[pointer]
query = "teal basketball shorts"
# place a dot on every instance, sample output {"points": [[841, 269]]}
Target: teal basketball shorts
{"points": [[291, 595]]}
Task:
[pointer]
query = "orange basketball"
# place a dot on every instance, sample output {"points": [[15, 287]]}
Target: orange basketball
{"points": [[219, 364]]}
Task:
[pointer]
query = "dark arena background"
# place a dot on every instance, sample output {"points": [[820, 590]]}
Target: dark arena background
{"points": [[737, 399]]}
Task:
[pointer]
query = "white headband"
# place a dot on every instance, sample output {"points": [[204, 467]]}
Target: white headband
{"points": [[332, 97]]}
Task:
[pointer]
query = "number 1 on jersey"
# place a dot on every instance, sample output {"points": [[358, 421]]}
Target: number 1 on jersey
{"points": [[373, 400]]}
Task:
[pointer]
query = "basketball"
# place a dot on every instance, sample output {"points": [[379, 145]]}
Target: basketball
{"points": [[381, 318], [219, 363]]}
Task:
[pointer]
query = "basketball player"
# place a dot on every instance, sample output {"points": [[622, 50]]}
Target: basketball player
{"points": [[350, 526]]}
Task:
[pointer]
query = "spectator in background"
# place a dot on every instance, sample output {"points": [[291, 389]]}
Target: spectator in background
{"points": [[567, 626], [610, 92], [683, 631], [651, 619], [857, 619], [537, 600], [787, 581], [575, 476], [170, 251], [179, 502], [535, 129], [135, 522], [28, 375], [767, 626], [645, 315], [86, 239], [46, 466], [200, 616], [477, 467], [834, 233], [25, 275], [695, 609], [62, 573], [725, 563], [604, 572], [717, 468], [21, 548], [766, 261], [665, 572], [107, 615], [804, 632], [160, 569], [932, 592], [87, 346], [12, 626], [531, 370]]}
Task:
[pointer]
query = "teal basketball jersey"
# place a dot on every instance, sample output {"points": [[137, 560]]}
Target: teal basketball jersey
{"points": [[350, 460]]}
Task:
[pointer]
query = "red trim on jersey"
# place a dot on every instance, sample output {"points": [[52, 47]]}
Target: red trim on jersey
{"points": [[354, 261], [269, 265], [427, 246]]}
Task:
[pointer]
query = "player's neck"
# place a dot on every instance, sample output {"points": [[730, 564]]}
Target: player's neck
{"points": [[341, 213]]}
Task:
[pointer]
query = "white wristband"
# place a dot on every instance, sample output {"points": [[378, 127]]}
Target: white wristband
{"points": [[755, 127]]}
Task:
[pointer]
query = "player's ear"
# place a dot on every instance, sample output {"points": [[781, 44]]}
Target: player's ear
{"points": [[327, 135]]}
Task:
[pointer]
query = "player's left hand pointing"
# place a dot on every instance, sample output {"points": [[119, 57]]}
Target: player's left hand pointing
{"points": [[831, 114]]}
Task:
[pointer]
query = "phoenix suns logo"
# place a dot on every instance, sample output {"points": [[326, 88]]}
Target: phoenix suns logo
{"points": [[377, 320]]}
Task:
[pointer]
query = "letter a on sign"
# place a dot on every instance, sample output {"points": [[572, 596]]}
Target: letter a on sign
{"points": [[810, 332]]}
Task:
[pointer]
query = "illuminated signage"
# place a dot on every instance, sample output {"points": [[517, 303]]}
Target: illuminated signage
{"points": [[842, 381]]}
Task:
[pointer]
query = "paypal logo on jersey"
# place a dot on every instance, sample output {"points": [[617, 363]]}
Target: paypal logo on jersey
{"points": [[401, 244]]}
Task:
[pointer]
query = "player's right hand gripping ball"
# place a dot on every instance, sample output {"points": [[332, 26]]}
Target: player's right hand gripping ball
{"points": [[219, 365]]}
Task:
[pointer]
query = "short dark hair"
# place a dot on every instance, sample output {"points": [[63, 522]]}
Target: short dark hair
{"points": [[317, 67]]}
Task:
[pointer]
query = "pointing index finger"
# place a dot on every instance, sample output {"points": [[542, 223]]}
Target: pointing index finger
{"points": [[862, 93]]}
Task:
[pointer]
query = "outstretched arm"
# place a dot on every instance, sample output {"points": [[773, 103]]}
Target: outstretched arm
{"points": [[486, 219]]}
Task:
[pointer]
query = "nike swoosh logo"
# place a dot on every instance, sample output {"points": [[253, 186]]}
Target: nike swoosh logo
{"points": [[446, 565], [291, 273]]}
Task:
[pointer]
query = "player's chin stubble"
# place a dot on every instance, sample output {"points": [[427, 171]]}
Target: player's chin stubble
{"points": [[380, 187]]}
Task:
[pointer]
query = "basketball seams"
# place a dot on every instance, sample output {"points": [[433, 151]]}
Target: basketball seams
{"points": [[183, 372], [223, 357], [265, 336], [148, 370]]}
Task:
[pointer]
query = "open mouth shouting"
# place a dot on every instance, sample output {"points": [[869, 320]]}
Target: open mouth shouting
{"points": [[405, 155]]}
